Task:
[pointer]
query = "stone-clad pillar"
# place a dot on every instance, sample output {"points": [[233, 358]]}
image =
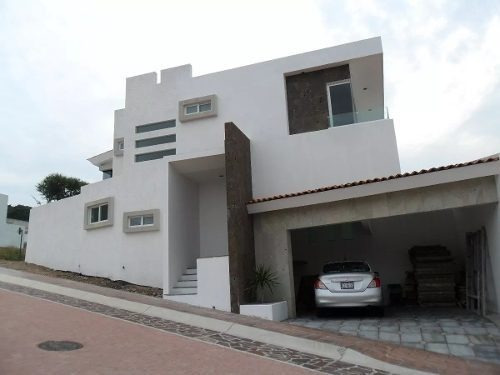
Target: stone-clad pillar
{"points": [[239, 222]]}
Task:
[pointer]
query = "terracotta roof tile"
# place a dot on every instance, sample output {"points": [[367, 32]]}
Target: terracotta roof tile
{"points": [[373, 180]]}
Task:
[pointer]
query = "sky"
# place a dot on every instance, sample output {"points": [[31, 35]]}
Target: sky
{"points": [[63, 66]]}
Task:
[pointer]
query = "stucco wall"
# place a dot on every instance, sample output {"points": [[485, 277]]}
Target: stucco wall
{"points": [[58, 239], [9, 235], [258, 105], [213, 283], [213, 218], [323, 158], [183, 228]]}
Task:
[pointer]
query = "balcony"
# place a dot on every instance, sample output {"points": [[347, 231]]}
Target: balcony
{"points": [[349, 118]]}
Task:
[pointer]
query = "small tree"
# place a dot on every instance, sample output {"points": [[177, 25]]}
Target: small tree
{"points": [[263, 279], [56, 186]]}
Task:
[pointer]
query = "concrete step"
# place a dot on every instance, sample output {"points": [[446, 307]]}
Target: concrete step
{"points": [[192, 277], [187, 284], [191, 271], [188, 290]]}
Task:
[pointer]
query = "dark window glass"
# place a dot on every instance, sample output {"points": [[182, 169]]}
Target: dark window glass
{"points": [[135, 221], [341, 103], [94, 214], [148, 220], [206, 107], [107, 174], [343, 267], [104, 212], [155, 141], [155, 126], [154, 155]]}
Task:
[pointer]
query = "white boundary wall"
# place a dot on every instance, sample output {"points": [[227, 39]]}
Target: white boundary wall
{"points": [[9, 235]]}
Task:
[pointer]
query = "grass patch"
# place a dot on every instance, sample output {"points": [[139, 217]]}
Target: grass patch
{"points": [[11, 253]]}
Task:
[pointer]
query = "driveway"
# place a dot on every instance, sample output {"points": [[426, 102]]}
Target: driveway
{"points": [[442, 330]]}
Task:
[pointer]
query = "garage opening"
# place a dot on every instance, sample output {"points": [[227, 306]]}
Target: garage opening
{"points": [[433, 259]]}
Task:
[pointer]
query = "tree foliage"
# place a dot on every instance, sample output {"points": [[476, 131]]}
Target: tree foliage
{"points": [[18, 212], [56, 186]]}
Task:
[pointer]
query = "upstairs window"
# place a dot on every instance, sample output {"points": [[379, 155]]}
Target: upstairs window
{"points": [[197, 108], [108, 173], [340, 103]]}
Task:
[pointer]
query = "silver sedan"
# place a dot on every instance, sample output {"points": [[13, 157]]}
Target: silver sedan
{"points": [[348, 284]]}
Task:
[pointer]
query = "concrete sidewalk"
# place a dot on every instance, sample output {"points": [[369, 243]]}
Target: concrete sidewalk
{"points": [[328, 346]]}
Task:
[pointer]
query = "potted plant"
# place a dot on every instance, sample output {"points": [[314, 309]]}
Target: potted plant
{"points": [[264, 280]]}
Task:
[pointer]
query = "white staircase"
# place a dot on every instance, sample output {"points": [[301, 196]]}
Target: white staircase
{"points": [[186, 288], [187, 283]]}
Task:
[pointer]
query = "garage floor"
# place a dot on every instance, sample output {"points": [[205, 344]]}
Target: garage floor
{"points": [[443, 330]]}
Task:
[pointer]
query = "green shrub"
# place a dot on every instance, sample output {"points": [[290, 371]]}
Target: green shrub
{"points": [[11, 253]]}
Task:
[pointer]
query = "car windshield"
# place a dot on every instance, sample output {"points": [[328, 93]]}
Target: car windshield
{"points": [[343, 267]]}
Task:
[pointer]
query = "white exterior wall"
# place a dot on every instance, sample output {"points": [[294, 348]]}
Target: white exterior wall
{"points": [[254, 98], [9, 235], [213, 219], [193, 213], [326, 157], [58, 239], [213, 283], [183, 229]]}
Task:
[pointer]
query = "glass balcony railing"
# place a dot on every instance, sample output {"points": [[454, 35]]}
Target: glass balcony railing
{"points": [[349, 118]]}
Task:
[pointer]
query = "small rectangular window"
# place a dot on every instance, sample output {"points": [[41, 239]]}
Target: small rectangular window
{"points": [[155, 126], [197, 108], [141, 221], [154, 155], [155, 141], [98, 214]]}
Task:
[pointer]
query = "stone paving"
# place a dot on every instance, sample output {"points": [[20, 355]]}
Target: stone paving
{"points": [[442, 330], [309, 361]]}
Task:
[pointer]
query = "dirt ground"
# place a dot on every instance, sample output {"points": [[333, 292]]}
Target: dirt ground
{"points": [[100, 281]]}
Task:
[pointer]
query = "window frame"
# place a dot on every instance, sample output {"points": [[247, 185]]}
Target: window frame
{"points": [[330, 109], [117, 150], [197, 102], [88, 224], [155, 226]]}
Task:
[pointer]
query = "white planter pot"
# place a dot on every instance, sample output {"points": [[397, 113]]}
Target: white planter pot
{"points": [[277, 311]]}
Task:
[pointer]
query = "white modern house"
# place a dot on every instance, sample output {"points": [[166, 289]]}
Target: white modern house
{"points": [[13, 233], [289, 163]]}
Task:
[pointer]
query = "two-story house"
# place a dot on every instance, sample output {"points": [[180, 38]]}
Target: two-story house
{"points": [[210, 175]]}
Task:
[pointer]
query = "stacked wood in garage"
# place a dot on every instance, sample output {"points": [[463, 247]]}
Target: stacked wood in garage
{"points": [[434, 274], [410, 288]]}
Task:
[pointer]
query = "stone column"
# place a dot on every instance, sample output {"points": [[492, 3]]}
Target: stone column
{"points": [[239, 223]]}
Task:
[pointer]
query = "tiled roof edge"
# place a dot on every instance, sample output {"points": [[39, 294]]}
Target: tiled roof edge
{"points": [[373, 180]]}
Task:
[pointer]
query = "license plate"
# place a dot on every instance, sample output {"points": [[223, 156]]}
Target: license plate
{"points": [[347, 285]]}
